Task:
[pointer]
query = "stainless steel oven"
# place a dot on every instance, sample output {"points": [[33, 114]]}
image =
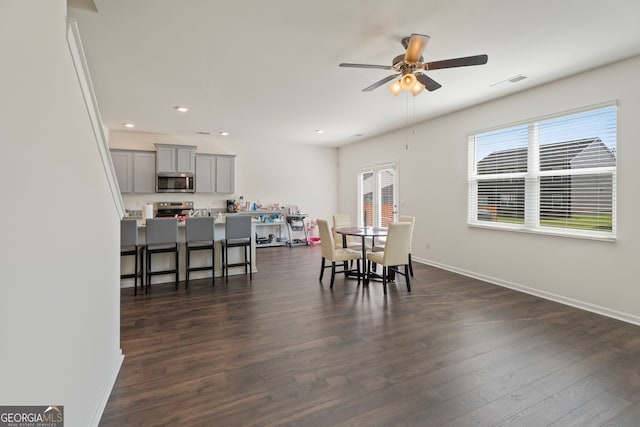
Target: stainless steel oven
{"points": [[175, 183], [171, 209]]}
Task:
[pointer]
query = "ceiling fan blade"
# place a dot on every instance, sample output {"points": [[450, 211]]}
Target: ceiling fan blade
{"points": [[428, 83], [456, 62], [415, 47], [380, 83], [380, 67]]}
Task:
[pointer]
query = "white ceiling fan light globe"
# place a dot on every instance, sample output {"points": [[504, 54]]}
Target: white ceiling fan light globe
{"points": [[408, 81], [395, 87], [417, 88]]}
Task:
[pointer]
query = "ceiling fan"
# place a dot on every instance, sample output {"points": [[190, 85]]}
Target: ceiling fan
{"points": [[408, 67]]}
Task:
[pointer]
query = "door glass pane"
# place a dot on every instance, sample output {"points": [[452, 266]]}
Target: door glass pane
{"points": [[378, 197], [367, 185], [387, 199]]}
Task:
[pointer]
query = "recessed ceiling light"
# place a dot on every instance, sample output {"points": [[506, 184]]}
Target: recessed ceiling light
{"points": [[201, 132], [223, 133], [129, 125], [319, 131], [181, 109]]}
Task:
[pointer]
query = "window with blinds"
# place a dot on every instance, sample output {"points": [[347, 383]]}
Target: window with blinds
{"points": [[553, 175]]}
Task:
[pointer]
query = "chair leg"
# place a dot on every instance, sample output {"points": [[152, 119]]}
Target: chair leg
{"points": [[321, 269], [410, 265], [333, 273], [407, 275], [384, 278], [358, 267], [250, 263]]}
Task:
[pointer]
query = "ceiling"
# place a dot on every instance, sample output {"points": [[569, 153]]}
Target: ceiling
{"points": [[268, 70]]}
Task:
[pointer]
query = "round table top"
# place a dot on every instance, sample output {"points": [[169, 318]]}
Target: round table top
{"points": [[363, 231]]}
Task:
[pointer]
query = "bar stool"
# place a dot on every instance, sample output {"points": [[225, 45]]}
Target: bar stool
{"points": [[129, 246], [237, 234], [162, 237], [199, 236]]}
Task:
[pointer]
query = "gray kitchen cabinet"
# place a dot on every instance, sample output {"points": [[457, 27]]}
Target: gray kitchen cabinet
{"points": [[135, 170], [225, 174], [144, 172], [175, 158], [205, 173], [123, 165]]}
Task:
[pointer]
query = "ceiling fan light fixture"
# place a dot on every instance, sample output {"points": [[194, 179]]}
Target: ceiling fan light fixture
{"points": [[417, 88], [395, 88], [408, 81]]}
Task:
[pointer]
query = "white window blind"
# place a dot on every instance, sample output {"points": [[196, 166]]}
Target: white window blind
{"points": [[377, 194], [553, 175]]}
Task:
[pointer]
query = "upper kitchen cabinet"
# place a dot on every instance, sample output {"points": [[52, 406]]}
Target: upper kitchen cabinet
{"points": [[215, 173], [123, 165], [175, 158], [135, 170], [144, 172], [225, 174], [205, 173]]}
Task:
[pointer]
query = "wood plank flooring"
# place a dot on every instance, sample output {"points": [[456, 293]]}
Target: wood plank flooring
{"points": [[286, 350]]}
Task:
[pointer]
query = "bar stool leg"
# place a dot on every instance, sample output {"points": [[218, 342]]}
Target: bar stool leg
{"points": [[186, 284], [226, 269], [177, 266], [135, 278]]}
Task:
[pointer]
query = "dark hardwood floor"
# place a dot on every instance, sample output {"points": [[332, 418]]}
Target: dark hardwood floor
{"points": [[285, 349]]}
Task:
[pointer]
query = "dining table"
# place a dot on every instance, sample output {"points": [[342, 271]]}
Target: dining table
{"points": [[363, 233]]}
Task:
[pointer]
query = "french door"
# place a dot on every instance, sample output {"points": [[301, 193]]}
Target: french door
{"points": [[377, 195]]}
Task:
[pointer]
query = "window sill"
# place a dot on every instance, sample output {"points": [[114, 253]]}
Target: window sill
{"points": [[546, 231]]}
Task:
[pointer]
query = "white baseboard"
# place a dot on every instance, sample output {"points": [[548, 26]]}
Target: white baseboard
{"points": [[106, 392], [614, 314]]}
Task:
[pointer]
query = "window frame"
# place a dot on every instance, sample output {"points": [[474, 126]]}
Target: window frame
{"points": [[532, 181]]}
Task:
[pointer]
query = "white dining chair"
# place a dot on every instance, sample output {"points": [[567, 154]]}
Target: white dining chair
{"points": [[344, 221], [336, 255], [395, 254], [380, 244]]}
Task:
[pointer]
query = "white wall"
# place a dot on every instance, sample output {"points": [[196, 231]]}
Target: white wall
{"points": [[59, 304], [305, 176], [599, 276]]}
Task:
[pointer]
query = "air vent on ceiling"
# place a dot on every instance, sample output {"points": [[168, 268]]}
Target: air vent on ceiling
{"points": [[514, 79]]}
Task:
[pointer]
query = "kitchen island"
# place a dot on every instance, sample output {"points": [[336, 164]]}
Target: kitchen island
{"points": [[198, 258]]}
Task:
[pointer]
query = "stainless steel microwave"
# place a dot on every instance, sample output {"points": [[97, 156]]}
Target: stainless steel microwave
{"points": [[175, 183]]}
